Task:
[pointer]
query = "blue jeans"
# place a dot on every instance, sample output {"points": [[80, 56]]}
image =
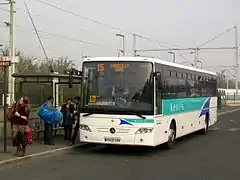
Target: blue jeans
{"points": [[48, 133]]}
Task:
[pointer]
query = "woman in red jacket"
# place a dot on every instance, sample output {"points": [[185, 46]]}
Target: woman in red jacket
{"points": [[20, 125]]}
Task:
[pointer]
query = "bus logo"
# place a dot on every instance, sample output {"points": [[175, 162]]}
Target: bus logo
{"points": [[112, 130]]}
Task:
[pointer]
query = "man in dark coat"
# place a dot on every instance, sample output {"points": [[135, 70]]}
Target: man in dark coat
{"points": [[68, 111], [76, 118]]}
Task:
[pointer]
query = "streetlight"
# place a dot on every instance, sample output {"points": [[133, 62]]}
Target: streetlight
{"points": [[200, 63], [174, 56], [123, 48], [227, 75]]}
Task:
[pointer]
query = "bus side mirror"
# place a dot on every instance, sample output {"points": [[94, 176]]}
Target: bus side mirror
{"points": [[70, 85], [72, 72], [157, 74]]}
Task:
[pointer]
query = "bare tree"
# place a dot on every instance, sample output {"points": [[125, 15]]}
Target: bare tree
{"points": [[59, 65]]}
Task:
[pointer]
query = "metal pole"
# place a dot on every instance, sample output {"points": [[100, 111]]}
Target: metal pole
{"points": [[5, 106], [11, 81], [195, 58], [174, 56], [236, 54], [184, 49], [123, 48], [134, 45], [124, 52], [227, 82], [201, 64]]}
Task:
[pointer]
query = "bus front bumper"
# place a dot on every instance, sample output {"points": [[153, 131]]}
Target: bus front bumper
{"points": [[118, 139]]}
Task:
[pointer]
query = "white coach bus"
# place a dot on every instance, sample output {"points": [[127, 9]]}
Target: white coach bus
{"points": [[144, 101]]}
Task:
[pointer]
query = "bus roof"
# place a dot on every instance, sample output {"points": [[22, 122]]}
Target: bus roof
{"points": [[146, 59]]}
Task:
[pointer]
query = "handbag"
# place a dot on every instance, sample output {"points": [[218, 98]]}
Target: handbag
{"points": [[10, 113], [29, 135]]}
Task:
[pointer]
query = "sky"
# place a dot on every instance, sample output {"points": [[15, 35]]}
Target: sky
{"points": [[167, 23]]}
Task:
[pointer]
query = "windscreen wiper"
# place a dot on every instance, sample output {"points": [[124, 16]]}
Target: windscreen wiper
{"points": [[88, 114], [139, 115]]}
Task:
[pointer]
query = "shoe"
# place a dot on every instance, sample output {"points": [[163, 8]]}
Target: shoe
{"points": [[48, 143], [73, 143], [18, 151], [23, 152]]}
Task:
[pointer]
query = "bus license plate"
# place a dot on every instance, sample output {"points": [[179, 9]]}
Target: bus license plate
{"points": [[112, 139]]}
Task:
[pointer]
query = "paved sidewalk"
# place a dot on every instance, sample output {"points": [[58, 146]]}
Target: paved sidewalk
{"points": [[36, 147]]}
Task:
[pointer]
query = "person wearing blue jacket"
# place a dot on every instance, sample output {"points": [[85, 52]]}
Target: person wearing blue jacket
{"points": [[48, 127]]}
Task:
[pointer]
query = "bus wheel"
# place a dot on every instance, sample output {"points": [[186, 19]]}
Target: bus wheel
{"points": [[171, 136], [206, 125]]}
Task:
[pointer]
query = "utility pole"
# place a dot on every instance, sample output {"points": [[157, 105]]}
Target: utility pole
{"points": [[174, 56], [123, 43], [134, 45], [11, 80], [201, 63], [236, 56], [8, 70], [196, 58]]}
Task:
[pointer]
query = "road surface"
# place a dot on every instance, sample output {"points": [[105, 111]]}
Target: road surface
{"points": [[215, 156]]}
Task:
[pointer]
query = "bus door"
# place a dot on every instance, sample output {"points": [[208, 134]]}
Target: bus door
{"points": [[158, 93]]}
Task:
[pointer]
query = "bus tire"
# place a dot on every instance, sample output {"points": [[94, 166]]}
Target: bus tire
{"points": [[171, 136], [206, 125]]}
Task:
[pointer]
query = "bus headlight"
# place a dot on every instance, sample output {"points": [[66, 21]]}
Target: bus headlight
{"points": [[84, 127], [144, 130]]}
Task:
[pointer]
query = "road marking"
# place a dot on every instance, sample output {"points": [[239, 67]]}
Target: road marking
{"points": [[232, 129], [214, 129], [226, 112], [231, 120]]}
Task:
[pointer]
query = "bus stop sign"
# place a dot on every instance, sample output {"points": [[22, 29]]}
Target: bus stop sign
{"points": [[5, 61]]}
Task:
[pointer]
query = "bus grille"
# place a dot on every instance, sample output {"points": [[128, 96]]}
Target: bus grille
{"points": [[118, 130]]}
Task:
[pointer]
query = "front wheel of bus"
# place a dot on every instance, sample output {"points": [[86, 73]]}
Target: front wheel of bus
{"points": [[206, 125], [171, 136]]}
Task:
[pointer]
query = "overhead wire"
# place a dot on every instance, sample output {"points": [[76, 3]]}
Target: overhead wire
{"points": [[157, 42], [38, 15], [98, 22], [32, 45], [216, 37], [4, 3], [3, 9], [63, 36]]}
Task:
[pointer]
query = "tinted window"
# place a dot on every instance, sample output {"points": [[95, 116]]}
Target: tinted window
{"points": [[115, 86]]}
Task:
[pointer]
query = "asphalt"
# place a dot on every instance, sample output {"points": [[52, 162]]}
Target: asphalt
{"points": [[214, 156]]}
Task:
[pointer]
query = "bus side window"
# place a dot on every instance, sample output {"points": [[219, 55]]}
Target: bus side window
{"points": [[158, 85]]}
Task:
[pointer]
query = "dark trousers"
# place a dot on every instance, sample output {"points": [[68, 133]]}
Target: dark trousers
{"points": [[20, 140], [13, 141], [48, 133], [67, 132], [75, 132]]}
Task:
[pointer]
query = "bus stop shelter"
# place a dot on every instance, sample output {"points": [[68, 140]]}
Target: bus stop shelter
{"points": [[53, 79]]}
